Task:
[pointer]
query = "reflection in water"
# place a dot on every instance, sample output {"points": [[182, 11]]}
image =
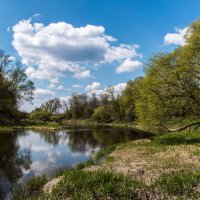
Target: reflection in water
{"points": [[29, 153], [13, 161]]}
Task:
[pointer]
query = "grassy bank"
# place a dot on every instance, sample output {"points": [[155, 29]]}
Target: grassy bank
{"points": [[38, 126], [166, 167]]}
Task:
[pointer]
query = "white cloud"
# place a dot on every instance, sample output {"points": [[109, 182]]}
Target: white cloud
{"points": [[40, 91], [82, 74], [93, 86], [121, 52], [65, 98], [128, 65], [119, 87], [77, 86], [54, 50], [176, 38]]}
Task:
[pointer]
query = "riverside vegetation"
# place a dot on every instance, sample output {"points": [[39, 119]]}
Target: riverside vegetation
{"points": [[166, 99]]}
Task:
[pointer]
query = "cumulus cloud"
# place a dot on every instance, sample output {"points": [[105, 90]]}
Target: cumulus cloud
{"points": [[97, 92], [119, 87], [176, 38], [93, 86], [128, 65], [54, 50], [40, 91], [82, 74], [121, 52]]}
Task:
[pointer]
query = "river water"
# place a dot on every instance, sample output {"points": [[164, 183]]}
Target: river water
{"points": [[28, 153]]}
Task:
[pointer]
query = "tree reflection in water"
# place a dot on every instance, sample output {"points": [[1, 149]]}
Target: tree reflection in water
{"points": [[41, 152], [13, 161]]}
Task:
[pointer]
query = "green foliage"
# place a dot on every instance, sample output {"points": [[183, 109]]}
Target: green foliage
{"points": [[40, 115], [128, 98], [101, 114], [171, 85], [52, 106], [14, 88], [57, 117]]}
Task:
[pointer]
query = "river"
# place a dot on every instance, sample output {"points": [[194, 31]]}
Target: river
{"points": [[28, 153]]}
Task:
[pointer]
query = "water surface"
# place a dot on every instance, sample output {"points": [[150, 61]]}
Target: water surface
{"points": [[29, 153]]}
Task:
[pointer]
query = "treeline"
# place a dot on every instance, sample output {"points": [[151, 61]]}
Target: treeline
{"points": [[169, 89], [14, 89]]}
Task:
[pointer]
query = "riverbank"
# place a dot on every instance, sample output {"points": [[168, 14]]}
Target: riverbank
{"points": [[165, 167], [92, 124], [168, 126], [39, 127]]}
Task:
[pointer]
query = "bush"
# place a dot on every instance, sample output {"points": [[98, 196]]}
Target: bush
{"points": [[40, 115], [101, 114]]}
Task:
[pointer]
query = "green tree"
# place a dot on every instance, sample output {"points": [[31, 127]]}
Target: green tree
{"points": [[128, 98], [14, 87], [52, 106], [101, 114], [171, 87]]}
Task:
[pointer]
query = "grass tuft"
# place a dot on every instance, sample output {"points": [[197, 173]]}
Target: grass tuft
{"points": [[180, 184]]}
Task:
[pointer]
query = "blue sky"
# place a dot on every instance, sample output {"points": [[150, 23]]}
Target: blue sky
{"points": [[86, 45]]}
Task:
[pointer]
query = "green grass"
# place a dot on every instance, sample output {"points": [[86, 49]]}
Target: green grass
{"points": [[180, 122], [101, 155], [181, 184], [85, 185], [39, 126], [185, 138], [6, 128], [29, 190], [92, 185]]}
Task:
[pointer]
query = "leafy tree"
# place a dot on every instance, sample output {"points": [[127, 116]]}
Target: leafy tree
{"points": [[114, 103], [14, 87], [101, 114], [52, 106], [128, 98], [39, 114], [171, 86]]}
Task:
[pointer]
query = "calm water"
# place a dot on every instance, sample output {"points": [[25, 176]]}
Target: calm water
{"points": [[24, 154]]}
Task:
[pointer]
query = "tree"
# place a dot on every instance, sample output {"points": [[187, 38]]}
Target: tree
{"points": [[171, 86], [128, 98], [52, 106], [114, 100], [101, 114], [14, 87]]}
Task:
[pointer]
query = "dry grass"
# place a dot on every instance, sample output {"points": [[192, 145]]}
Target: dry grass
{"points": [[147, 161]]}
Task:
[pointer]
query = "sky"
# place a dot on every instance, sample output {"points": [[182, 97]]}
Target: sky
{"points": [[84, 46]]}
